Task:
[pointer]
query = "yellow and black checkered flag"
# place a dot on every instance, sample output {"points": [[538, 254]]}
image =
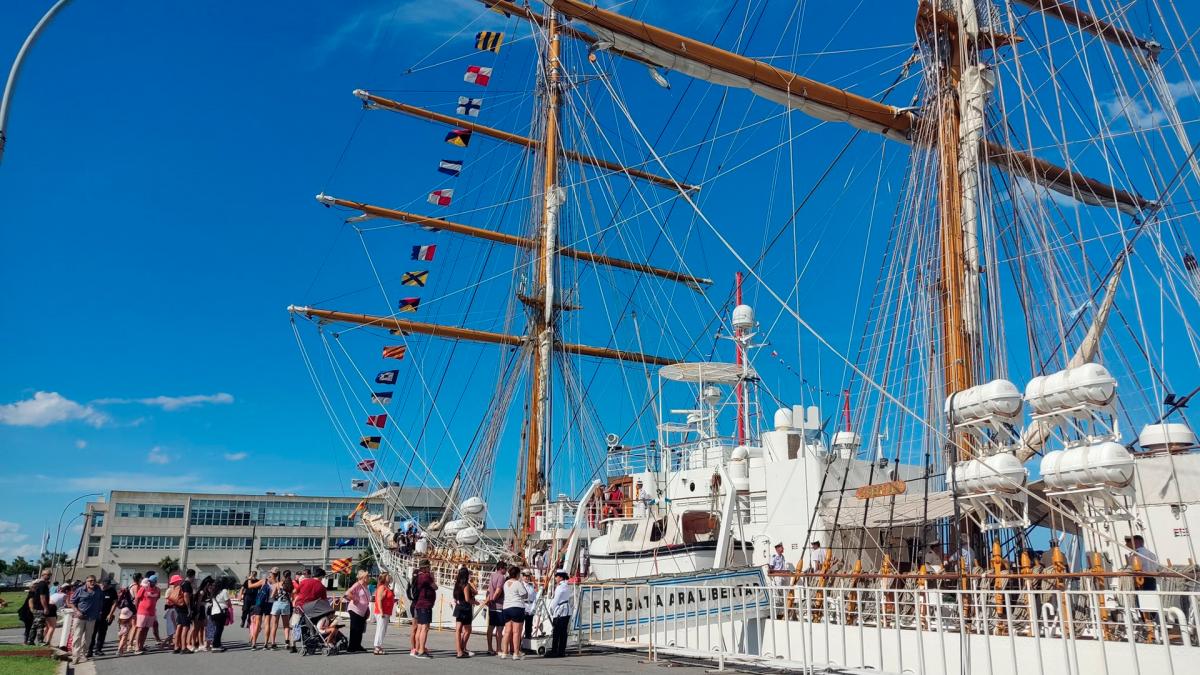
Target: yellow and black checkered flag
{"points": [[489, 41]]}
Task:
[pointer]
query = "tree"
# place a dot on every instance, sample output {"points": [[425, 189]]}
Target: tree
{"points": [[49, 559], [3, 567], [20, 565], [366, 561], [168, 564]]}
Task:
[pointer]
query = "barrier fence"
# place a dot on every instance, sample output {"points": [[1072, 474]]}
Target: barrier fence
{"points": [[901, 630]]}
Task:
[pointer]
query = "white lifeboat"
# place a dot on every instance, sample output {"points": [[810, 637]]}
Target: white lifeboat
{"points": [[1105, 464], [998, 399]]}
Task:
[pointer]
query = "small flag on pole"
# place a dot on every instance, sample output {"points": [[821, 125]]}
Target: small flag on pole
{"points": [[341, 566], [423, 252], [366, 465], [395, 351], [479, 75], [408, 305], [381, 397], [450, 167], [489, 41], [343, 543], [387, 377], [370, 442], [360, 485], [417, 278], [377, 421], [469, 106], [441, 197], [459, 137]]}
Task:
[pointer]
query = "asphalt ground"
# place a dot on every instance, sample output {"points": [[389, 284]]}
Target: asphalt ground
{"points": [[239, 659]]}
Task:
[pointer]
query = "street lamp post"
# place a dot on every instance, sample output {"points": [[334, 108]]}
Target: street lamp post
{"points": [[11, 85], [58, 529]]}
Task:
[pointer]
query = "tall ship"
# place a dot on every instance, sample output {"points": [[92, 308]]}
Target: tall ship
{"points": [[876, 325]]}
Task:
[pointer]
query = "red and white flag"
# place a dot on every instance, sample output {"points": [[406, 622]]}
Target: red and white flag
{"points": [[441, 197], [479, 75], [423, 252], [377, 421]]}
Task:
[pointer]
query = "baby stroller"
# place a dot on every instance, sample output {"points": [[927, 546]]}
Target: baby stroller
{"points": [[319, 630]]}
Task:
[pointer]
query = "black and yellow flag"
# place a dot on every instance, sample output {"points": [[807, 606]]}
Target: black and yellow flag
{"points": [[489, 41], [417, 278]]}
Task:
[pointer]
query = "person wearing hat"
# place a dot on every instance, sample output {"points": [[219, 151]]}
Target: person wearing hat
{"points": [[560, 616], [147, 610], [178, 607], [817, 558], [530, 603]]}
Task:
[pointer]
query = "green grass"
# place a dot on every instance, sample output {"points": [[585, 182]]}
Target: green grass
{"points": [[9, 649], [8, 615], [26, 665]]}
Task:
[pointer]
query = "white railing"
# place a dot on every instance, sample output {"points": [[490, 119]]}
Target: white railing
{"points": [[625, 461], [701, 454], [902, 630]]}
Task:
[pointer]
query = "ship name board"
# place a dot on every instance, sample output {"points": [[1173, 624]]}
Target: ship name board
{"points": [[742, 593], [888, 489]]}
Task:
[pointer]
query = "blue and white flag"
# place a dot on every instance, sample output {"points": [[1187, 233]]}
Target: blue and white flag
{"points": [[381, 397], [469, 106], [450, 167]]}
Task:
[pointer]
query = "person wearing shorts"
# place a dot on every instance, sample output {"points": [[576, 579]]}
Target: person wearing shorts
{"points": [[515, 597], [495, 600], [422, 607]]}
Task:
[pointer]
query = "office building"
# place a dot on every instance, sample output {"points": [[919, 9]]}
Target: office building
{"points": [[228, 534]]}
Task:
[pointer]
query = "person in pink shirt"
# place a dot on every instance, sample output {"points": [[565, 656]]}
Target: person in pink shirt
{"points": [[147, 609], [358, 604]]}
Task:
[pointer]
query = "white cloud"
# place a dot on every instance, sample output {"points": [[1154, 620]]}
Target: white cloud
{"points": [[49, 407], [1142, 114], [235, 456], [188, 482], [14, 542], [158, 456], [367, 29], [81, 444], [172, 403]]}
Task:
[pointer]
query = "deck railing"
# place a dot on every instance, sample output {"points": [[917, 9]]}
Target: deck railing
{"points": [[1025, 630]]}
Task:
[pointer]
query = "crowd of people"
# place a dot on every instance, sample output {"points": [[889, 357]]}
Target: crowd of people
{"points": [[187, 615]]}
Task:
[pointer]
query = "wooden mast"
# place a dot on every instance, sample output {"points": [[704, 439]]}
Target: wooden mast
{"points": [[940, 31], [544, 321]]}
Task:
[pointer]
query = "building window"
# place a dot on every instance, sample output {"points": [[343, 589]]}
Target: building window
{"points": [[291, 543], [149, 510], [272, 513], [138, 541], [348, 542], [93, 548], [97, 519], [221, 543]]}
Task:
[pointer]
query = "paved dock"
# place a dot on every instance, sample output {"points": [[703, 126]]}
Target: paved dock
{"points": [[240, 659]]}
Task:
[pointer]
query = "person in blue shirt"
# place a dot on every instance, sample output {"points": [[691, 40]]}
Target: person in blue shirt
{"points": [[88, 601]]}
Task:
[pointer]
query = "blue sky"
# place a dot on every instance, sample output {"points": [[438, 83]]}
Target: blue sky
{"points": [[158, 217]]}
